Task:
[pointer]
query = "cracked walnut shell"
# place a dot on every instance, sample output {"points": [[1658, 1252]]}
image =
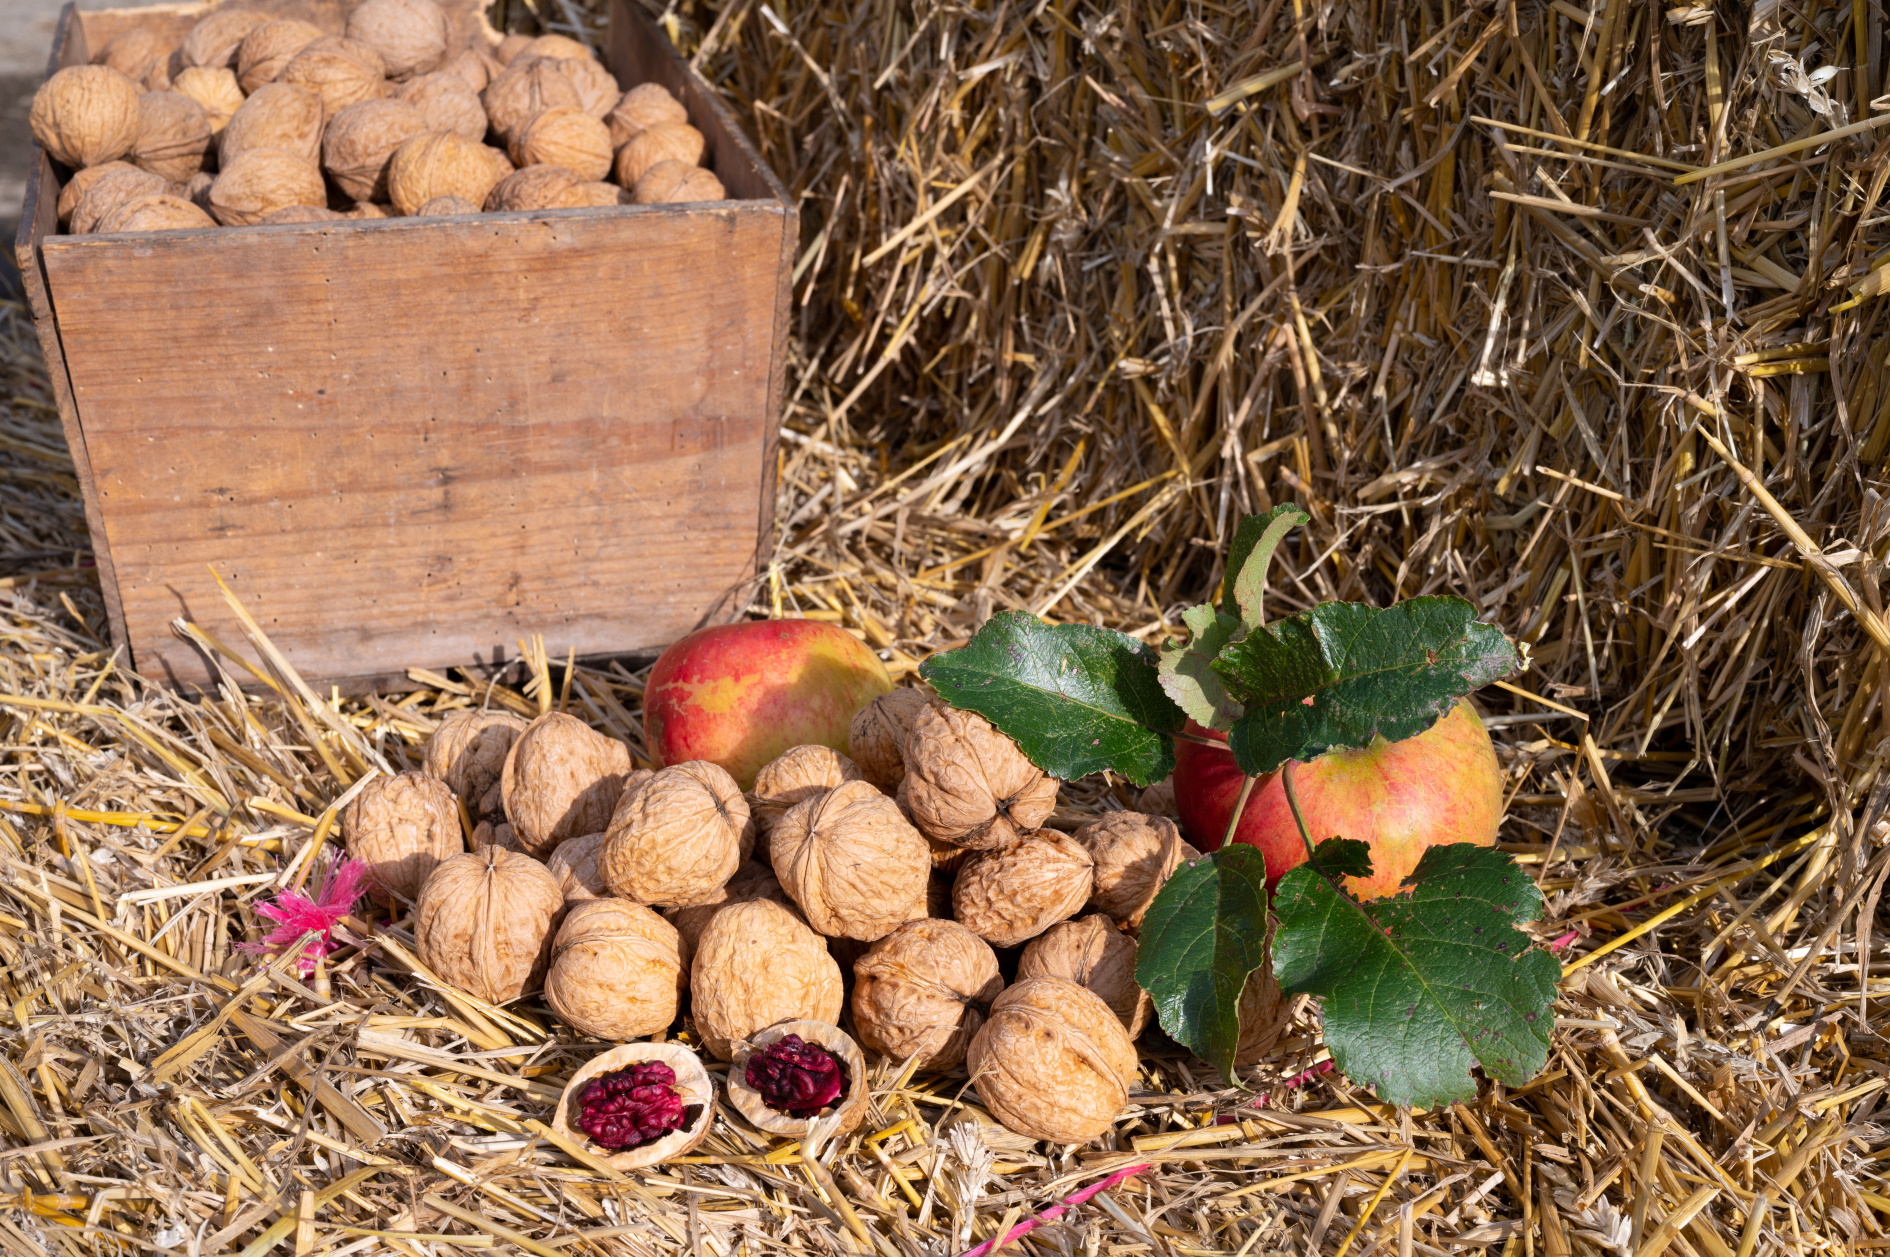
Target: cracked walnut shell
{"points": [[846, 1111], [1052, 1061], [1091, 952], [968, 784], [1018, 892], [852, 862], [877, 737], [757, 963], [677, 838], [923, 991], [616, 970], [561, 778], [484, 923], [1134, 855], [467, 751], [798, 774], [402, 828], [695, 1086]]}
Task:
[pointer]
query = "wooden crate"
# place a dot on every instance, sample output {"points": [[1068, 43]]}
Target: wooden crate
{"points": [[412, 442]]}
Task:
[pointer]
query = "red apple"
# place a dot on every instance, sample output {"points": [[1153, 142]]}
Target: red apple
{"points": [[740, 694], [1442, 786]]}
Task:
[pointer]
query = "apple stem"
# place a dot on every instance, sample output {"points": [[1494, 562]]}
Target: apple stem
{"points": [[1240, 809], [1292, 801]]}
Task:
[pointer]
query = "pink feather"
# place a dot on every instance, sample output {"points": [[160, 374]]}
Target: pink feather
{"points": [[296, 914]]}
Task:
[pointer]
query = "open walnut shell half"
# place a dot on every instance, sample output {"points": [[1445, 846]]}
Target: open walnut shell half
{"points": [[851, 1105], [693, 1082]]}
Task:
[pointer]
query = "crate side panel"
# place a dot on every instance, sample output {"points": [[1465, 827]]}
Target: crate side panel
{"points": [[410, 443]]}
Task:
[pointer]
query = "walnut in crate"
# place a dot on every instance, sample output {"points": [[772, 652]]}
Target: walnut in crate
{"points": [[757, 963], [616, 970], [356, 149], [1134, 854], [922, 992], [486, 833], [666, 141], [135, 53], [523, 90], [672, 183], [796, 775], [638, 1104], [484, 923], [197, 189], [753, 880], [510, 47], [795, 1073], [474, 66], [877, 737], [267, 49], [85, 114], [369, 209], [215, 89], [119, 184], [574, 867], [559, 48], [402, 827], [852, 862], [467, 751], [297, 214], [410, 36], [537, 188], [1052, 1061], [279, 115], [447, 102], [564, 137], [968, 784], [339, 70], [445, 163], [443, 206], [1091, 952], [599, 194], [155, 213], [262, 180], [561, 778], [678, 838], [1017, 892], [173, 135], [645, 105], [213, 42], [597, 88]]}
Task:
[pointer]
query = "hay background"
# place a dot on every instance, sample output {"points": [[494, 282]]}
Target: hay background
{"points": [[1060, 324]]}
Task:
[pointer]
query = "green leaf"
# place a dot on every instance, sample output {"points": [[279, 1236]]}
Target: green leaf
{"points": [[1244, 588], [1343, 673], [1205, 932], [1420, 986], [1343, 857], [1187, 674], [1076, 699]]}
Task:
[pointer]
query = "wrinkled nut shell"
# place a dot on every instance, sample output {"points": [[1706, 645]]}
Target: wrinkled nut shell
{"points": [[536, 188], [484, 923], [441, 206], [523, 90], [268, 48], [616, 970], [693, 1083], [1017, 892], [410, 36], [213, 42], [356, 150], [923, 991], [213, 88], [852, 862], [968, 784], [877, 737], [81, 182], [261, 181], [156, 213], [467, 751], [445, 163], [558, 48], [850, 1108], [510, 47], [279, 115], [340, 70], [495, 834], [673, 183], [599, 194], [475, 66], [643, 106], [85, 114], [753, 880], [597, 89], [1159, 800], [135, 52], [173, 135], [667, 141], [1094, 954], [564, 137], [757, 963], [798, 774], [300, 214], [1134, 854], [561, 777], [117, 186], [1052, 1061], [1264, 1013], [677, 839], [448, 103], [402, 828]]}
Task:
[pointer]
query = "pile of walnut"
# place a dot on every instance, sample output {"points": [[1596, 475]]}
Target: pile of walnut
{"points": [[623, 893], [259, 120]]}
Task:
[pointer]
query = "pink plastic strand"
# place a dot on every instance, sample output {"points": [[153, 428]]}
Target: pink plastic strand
{"points": [[1054, 1211]]}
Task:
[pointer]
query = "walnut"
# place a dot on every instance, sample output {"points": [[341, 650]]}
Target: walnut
{"points": [[484, 923], [356, 149], [1263, 1015], [214, 40], [877, 738], [369, 209], [268, 48], [795, 1073], [135, 53], [1052, 1061], [474, 66], [467, 751], [558, 48], [922, 992], [851, 862], [155, 213], [262, 180], [1159, 799], [85, 114], [215, 89], [666, 141], [672, 183], [409, 35], [1018, 892], [616, 971], [197, 189], [339, 70], [796, 775], [675, 840], [81, 182], [757, 963], [401, 828], [292, 214], [119, 183], [946, 858], [279, 115], [442, 206], [444, 163], [645, 105], [447, 102], [574, 866], [597, 89], [494, 833], [753, 880], [536, 188], [510, 47], [1091, 952], [523, 90], [561, 778], [1134, 855], [651, 1102], [564, 137], [599, 194], [173, 135], [968, 784]]}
